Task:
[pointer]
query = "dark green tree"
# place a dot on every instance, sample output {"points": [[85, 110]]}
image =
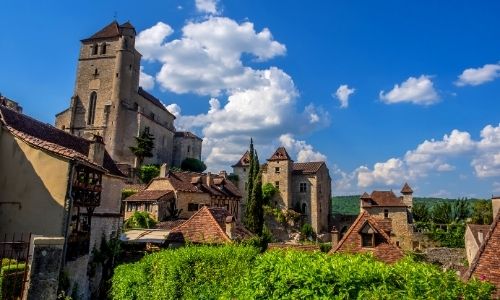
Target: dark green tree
{"points": [[148, 172], [482, 212], [193, 165], [250, 176], [268, 191], [461, 210], [420, 212], [254, 216], [442, 213], [144, 146]]}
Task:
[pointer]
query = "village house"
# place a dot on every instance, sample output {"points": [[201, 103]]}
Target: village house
{"points": [[108, 101], [486, 262], [58, 185], [304, 187], [474, 238], [185, 191]]}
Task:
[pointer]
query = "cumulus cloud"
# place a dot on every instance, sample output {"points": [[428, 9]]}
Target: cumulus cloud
{"points": [[414, 90], [305, 152], [487, 162], [389, 172], [145, 80], [343, 93], [174, 109], [207, 6], [477, 76], [244, 102]]}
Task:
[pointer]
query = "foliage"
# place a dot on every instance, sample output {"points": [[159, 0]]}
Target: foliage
{"points": [[442, 213], [254, 216], [421, 212], [193, 165], [482, 212], [11, 279], [127, 193], [148, 172], [144, 146], [233, 178], [325, 247], [140, 219], [448, 235], [307, 231], [236, 272], [268, 191]]}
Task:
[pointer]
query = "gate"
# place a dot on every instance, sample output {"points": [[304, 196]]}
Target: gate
{"points": [[14, 257]]}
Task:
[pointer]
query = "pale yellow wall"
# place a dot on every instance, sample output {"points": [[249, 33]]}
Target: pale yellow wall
{"points": [[36, 179], [111, 194], [183, 199]]}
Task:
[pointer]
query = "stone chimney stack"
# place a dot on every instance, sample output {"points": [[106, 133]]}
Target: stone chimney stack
{"points": [[335, 237], [164, 170], [96, 150], [209, 179], [495, 202], [223, 174], [230, 226]]}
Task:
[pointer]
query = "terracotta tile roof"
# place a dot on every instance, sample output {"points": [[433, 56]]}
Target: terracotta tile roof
{"points": [[384, 224], [406, 189], [280, 154], [207, 226], [111, 30], [49, 138], [307, 167], [151, 195], [486, 264], [384, 250], [187, 134], [244, 160], [169, 225], [300, 247], [384, 198], [476, 229], [152, 99]]}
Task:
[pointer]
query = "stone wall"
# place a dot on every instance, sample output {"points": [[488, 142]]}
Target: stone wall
{"points": [[401, 233], [284, 178], [242, 173], [184, 198]]}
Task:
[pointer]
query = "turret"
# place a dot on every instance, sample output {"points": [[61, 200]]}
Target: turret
{"points": [[407, 196], [279, 173]]}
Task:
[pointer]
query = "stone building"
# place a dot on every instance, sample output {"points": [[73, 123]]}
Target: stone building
{"points": [[304, 187], [186, 191], [108, 101], [395, 211], [58, 185], [10, 104], [474, 237]]}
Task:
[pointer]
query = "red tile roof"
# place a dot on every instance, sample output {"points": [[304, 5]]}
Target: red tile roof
{"points": [[280, 154], [244, 160], [187, 134], [406, 189], [207, 226], [486, 264], [110, 31], [307, 167], [49, 138], [384, 250], [384, 198], [169, 225], [151, 195]]}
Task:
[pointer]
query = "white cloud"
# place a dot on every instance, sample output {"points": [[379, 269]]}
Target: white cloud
{"points": [[245, 102], [145, 80], [305, 152], [207, 6], [445, 167], [174, 109], [487, 161], [414, 90], [389, 173], [477, 76], [343, 93]]}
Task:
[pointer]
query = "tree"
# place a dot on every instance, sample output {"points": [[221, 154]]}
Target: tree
{"points": [[193, 165], [254, 217], [144, 146], [140, 219], [268, 191], [442, 213], [173, 211], [461, 210], [482, 212], [148, 172], [420, 212]]}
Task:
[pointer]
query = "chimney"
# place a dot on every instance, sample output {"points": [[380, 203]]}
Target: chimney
{"points": [[96, 150], [230, 226], [223, 174], [495, 203], [480, 237], [335, 237], [209, 180], [164, 170]]}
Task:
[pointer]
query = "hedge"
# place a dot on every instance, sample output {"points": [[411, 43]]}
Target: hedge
{"points": [[237, 272]]}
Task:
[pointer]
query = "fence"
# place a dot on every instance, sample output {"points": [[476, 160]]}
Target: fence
{"points": [[14, 254]]}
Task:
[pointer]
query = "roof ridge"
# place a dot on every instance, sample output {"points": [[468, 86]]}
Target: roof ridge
{"points": [[348, 232]]}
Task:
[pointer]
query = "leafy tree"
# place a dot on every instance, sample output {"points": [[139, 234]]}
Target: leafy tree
{"points": [[482, 212], [254, 217], [421, 212], [193, 165], [140, 219], [442, 213], [461, 210], [268, 191], [173, 211], [144, 146], [148, 172]]}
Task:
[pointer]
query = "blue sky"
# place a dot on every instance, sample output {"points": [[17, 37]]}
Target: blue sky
{"points": [[271, 70]]}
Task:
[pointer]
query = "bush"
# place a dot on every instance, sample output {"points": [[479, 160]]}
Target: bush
{"points": [[236, 272], [140, 219], [307, 231], [193, 165], [148, 172], [127, 193]]}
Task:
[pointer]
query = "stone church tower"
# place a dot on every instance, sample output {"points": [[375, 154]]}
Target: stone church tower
{"points": [[109, 102]]}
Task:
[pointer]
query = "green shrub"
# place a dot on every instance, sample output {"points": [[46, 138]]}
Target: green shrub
{"points": [[193, 164], [325, 247], [140, 219], [307, 231], [11, 280], [127, 193], [148, 172]]}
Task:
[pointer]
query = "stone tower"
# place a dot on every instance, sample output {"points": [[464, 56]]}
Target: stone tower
{"points": [[279, 173], [407, 196], [241, 170]]}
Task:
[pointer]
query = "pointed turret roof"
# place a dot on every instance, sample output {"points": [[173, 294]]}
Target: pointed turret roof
{"points": [[365, 196], [280, 154], [244, 160], [406, 189]]}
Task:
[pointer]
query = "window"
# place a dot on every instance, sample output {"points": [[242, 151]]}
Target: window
{"points": [[302, 187], [304, 208], [136, 106], [152, 115], [103, 48], [244, 169], [192, 206], [92, 105], [147, 207], [125, 43], [277, 184], [367, 240], [386, 213], [129, 206], [277, 170], [94, 49], [96, 73]]}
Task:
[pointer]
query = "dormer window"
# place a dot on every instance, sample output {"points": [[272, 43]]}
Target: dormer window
{"points": [[367, 236], [103, 48]]}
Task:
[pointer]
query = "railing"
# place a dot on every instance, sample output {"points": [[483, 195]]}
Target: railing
{"points": [[14, 256]]}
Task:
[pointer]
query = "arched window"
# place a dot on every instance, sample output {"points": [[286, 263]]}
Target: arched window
{"points": [[94, 49], [92, 104], [103, 48]]}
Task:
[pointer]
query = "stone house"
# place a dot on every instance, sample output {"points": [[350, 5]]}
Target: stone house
{"points": [[304, 187], [58, 185], [486, 263], [186, 191], [474, 237], [368, 234], [108, 101], [395, 211]]}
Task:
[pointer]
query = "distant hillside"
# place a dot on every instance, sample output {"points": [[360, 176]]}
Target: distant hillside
{"points": [[349, 205]]}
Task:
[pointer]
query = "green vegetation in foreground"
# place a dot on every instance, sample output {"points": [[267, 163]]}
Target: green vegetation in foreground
{"points": [[241, 272]]}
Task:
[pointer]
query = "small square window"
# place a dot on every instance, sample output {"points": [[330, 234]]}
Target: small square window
{"points": [[302, 187], [192, 206], [367, 240], [277, 184], [386, 213], [277, 170]]}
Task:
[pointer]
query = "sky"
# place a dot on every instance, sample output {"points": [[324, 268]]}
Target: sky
{"points": [[383, 91]]}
